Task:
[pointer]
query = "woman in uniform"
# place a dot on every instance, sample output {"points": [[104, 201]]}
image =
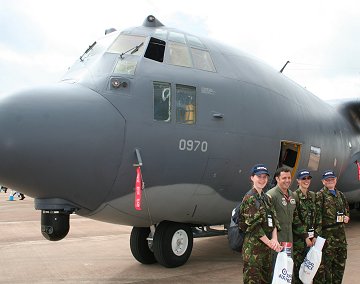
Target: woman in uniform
{"points": [[257, 218]]}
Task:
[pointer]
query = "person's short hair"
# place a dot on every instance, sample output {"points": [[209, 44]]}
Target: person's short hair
{"points": [[281, 170]]}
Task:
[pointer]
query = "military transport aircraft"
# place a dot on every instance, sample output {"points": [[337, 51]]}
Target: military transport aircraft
{"points": [[157, 129]]}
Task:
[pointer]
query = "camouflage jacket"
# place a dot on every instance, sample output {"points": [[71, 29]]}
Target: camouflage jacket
{"points": [[329, 207], [306, 214], [253, 215]]}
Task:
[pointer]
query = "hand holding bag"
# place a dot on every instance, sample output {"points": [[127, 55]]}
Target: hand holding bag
{"points": [[311, 262], [283, 269]]}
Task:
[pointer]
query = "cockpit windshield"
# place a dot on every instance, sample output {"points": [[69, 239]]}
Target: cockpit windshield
{"points": [[128, 44], [98, 58], [99, 46], [123, 44], [130, 47]]}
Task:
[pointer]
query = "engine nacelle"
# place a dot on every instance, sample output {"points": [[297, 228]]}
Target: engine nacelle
{"points": [[55, 225]]}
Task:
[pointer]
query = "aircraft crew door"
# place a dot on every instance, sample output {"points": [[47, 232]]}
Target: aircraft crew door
{"points": [[289, 156]]}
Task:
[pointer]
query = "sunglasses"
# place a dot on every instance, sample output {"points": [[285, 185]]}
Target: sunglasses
{"points": [[306, 178]]}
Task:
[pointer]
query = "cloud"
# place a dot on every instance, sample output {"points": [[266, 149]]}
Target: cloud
{"points": [[20, 33], [43, 38]]}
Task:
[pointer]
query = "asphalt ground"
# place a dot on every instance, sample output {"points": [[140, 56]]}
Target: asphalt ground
{"points": [[96, 252]]}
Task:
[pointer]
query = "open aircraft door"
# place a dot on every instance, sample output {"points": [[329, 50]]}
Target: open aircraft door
{"points": [[289, 156]]}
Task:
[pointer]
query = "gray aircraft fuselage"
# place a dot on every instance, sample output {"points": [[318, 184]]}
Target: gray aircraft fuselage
{"points": [[72, 146]]}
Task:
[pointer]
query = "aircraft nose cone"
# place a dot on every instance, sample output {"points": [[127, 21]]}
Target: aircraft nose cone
{"points": [[63, 141]]}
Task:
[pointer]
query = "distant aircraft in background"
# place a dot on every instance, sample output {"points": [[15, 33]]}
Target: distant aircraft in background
{"points": [[157, 129]]}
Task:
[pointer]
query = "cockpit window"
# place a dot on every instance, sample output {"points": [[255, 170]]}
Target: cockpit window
{"points": [[99, 46], [194, 41], [128, 44], [126, 66], [177, 37], [202, 60], [155, 49], [130, 48], [161, 34], [179, 55], [180, 50]]}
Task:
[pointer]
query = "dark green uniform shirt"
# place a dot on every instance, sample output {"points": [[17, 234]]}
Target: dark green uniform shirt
{"points": [[284, 207], [330, 210], [304, 222], [305, 211]]}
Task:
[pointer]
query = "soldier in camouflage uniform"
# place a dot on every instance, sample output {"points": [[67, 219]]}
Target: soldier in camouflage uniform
{"points": [[303, 226], [257, 218], [333, 212]]}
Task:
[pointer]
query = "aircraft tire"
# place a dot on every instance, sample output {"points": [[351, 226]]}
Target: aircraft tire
{"points": [[173, 243], [139, 245]]}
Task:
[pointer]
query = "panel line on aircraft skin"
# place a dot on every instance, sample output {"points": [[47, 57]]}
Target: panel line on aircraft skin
{"points": [[192, 215]]}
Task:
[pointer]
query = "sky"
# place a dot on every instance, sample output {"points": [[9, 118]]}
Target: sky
{"points": [[40, 39]]}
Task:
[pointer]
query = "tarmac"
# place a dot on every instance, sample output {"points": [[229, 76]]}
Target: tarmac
{"points": [[96, 252]]}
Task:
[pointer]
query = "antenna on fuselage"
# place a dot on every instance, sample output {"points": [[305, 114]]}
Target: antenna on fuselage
{"points": [[152, 22], [282, 69]]}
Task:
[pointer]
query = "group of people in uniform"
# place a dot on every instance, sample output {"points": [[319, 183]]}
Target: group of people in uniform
{"points": [[281, 216]]}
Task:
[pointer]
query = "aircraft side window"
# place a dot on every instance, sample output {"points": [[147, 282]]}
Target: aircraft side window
{"points": [[155, 50], [179, 55], [162, 101], [202, 60], [185, 104], [314, 158]]}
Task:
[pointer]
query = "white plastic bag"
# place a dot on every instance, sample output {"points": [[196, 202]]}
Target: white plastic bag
{"points": [[283, 269], [311, 262]]}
